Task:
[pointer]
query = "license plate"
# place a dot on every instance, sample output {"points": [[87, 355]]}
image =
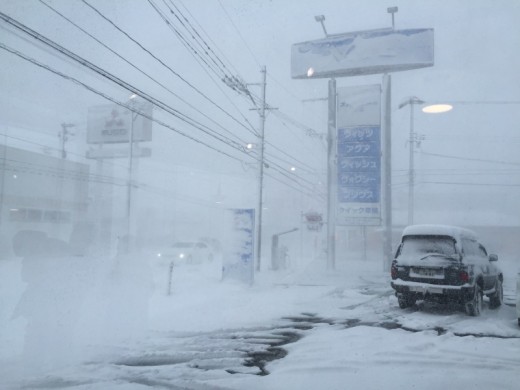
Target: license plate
{"points": [[425, 289], [433, 273]]}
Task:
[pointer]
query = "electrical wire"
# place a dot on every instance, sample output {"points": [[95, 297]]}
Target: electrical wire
{"points": [[469, 159], [206, 46], [125, 105], [142, 72], [100, 71], [239, 33], [127, 86], [165, 65], [293, 178], [199, 59]]}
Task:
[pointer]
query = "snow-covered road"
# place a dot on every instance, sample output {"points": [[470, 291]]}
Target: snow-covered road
{"points": [[302, 329]]}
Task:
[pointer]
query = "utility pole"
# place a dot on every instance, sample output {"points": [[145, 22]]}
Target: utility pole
{"points": [[239, 86], [64, 136], [412, 101], [261, 179]]}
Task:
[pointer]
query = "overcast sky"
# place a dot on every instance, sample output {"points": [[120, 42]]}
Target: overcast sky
{"points": [[475, 61]]}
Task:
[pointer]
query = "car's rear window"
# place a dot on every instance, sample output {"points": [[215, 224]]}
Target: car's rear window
{"points": [[423, 245]]}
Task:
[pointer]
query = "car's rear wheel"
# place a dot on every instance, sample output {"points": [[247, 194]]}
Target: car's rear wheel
{"points": [[474, 306], [496, 299], [406, 300]]}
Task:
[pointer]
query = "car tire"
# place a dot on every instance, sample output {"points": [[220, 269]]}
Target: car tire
{"points": [[474, 306], [496, 299], [405, 300]]}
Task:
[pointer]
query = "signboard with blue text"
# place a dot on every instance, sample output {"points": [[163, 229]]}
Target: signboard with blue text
{"points": [[359, 156], [238, 261]]}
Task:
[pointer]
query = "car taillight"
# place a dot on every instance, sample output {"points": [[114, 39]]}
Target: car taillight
{"points": [[393, 271], [464, 276]]}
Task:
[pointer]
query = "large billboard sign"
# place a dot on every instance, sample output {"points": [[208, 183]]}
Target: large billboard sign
{"points": [[359, 155], [363, 53], [112, 124]]}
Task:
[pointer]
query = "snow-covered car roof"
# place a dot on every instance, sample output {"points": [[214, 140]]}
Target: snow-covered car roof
{"points": [[439, 230]]}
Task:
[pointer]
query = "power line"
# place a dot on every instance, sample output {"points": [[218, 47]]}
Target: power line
{"points": [[141, 71], [114, 79], [127, 86], [196, 55], [293, 178], [239, 33], [310, 131], [163, 63], [208, 37], [204, 44], [194, 52], [471, 184], [470, 159], [127, 106]]}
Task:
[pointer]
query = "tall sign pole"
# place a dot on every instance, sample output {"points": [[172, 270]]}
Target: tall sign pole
{"points": [[331, 177]]}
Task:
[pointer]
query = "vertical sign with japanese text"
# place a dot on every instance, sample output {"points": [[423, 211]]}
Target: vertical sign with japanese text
{"points": [[238, 261], [359, 156]]}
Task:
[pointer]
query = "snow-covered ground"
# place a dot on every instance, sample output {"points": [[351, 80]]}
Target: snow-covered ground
{"points": [[106, 324]]}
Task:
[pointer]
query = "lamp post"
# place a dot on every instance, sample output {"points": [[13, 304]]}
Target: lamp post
{"points": [[133, 116], [412, 101]]}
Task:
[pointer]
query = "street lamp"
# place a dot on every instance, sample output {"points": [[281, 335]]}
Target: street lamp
{"points": [[133, 116], [412, 101], [437, 108], [321, 19]]}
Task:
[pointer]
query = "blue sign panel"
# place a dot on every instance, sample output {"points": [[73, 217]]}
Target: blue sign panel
{"points": [[238, 263], [359, 155], [359, 164]]}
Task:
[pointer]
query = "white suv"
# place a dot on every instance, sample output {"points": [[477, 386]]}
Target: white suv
{"points": [[445, 264]]}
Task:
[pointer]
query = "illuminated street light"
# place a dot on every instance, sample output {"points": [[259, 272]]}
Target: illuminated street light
{"points": [[414, 140], [437, 108]]}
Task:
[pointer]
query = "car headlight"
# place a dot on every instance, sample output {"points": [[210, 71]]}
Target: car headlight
{"points": [[159, 254], [181, 255]]}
